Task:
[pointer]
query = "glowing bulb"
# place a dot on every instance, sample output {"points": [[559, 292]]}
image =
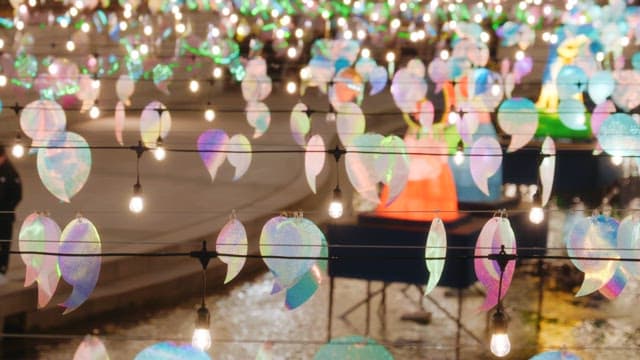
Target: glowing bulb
{"points": [[3, 80], [477, 18], [1, 43], [365, 53], [209, 115], [64, 23], [403, 7], [617, 160], [536, 215], [95, 84], [546, 36], [177, 16], [453, 24], [127, 13], [395, 23], [624, 41], [94, 112], [136, 204], [194, 86], [53, 69], [498, 9], [348, 35], [458, 158], [201, 339], [144, 49], [19, 25], [85, 27], [291, 87], [299, 33], [495, 89], [292, 52], [32, 3], [180, 28], [159, 152], [453, 117], [135, 54], [73, 12], [335, 207], [341, 22], [485, 37], [519, 55], [123, 26], [390, 57], [553, 38], [217, 73], [444, 54], [148, 30], [215, 50], [17, 150], [280, 34], [546, 10], [500, 344], [305, 73], [600, 56], [361, 34], [70, 45], [426, 17]]}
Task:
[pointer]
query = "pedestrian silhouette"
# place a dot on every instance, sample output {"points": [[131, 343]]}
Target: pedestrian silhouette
{"points": [[10, 196]]}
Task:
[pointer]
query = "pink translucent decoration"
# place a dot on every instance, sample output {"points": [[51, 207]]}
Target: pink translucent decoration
{"points": [[438, 72], [427, 166], [435, 252], [239, 155], [80, 236], [476, 53], [522, 68], [362, 166], [485, 160], [518, 117], [41, 234], [627, 92], [547, 168], [350, 122], [426, 114], [494, 234], [299, 123], [298, 238], [256, 87], [407, 89], [87, 92], [155, 121], [314, 160], [42, 119], [125, 86], [378, 80], [600, 113], [467, 126], [212, 145], [232, 240], [259, 117], [118, 118], [395, 173], [91, 348], [594, 236]]}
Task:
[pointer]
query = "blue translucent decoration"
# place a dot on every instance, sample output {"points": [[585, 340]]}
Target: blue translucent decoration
{"points": [[171, 351], [353, 348]]}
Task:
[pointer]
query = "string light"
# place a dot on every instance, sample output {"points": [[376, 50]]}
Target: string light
{"points": [[536, 215], [160, 153], [617, 160], [148, 30], [458, 158], [444, 54], [94, 112], [18, 149], [209, 113], [292, 52], [500, 345], [292, 87], [85, 27], [194, 86], [70, 45], [3, 80], [1, 43], [136, 203], [335, 207], [201, 338], [217, 73]]}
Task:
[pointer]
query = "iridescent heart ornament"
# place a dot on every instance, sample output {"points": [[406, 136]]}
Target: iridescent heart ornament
{"points": [[259, 117], [239, 154], [212, 145], [435, 251], [232, 240], [42, 119], [485, 160], [155, 121], [39, 233], [314, 159], [81, 237], [518, 117], [547, 168], [91, 348]]}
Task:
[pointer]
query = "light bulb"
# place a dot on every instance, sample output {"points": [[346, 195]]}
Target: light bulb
{"points": [[390, 57], [519, 55], [495, 89], [148, 30], [17, 150], [201, 339], [299, 33], [160, 153], [3, 81], [144, 49], [292, 52], [365, 53], [19, 25], [1, 43], [536, 215], [458, 158], [444, 54], [194, 86], [485, 37], [335, 207], [136, 204], [500, 345], [217, 73], [135, 54], [617, 160], [85, 27], [94, 112], [70, 45], [209, 115], [453, 117], [123, 25], [180, 28], [624, 41], [291, 87], [95, 84]]}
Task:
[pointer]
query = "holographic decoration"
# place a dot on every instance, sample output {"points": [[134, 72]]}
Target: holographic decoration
{"points": [[171, 351], [378, 80], [350, 122], [40, 233], [408, 89], [80, 236], [309, 283], [363, 167], [518, 117], [118, 119], [571, 113], [64, 164], [571, 81], [395, 170], [594, 236], [232, 240], [125, 86], [161, 76], [619, 135], [91, 348], [347, 87], [212, 145], [612, 289], [259, 117], [629, 238], [626, 94], [547, 168], [556, 355], [600, 113], [438, 71], [239, 154], [42, 119], [353, 348], [256, 85], [435, 252], [314, 160], [601, 86], [295, 237], [155, 121], [495, 233], [485, 160], [300, 123]]}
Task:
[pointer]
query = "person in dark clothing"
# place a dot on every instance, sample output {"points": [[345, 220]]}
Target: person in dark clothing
{"points": [[10, 196]]}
